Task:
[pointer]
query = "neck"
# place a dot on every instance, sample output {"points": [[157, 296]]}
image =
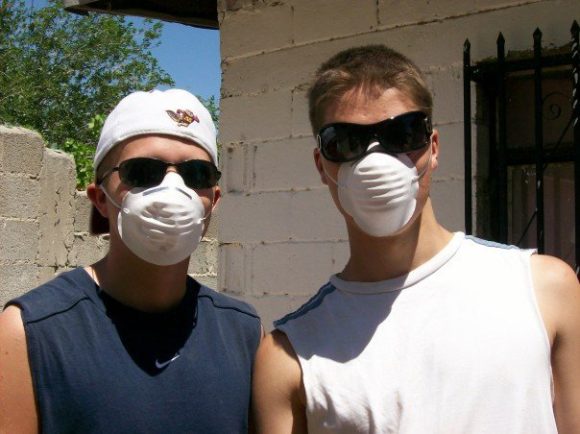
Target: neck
{"points": [[375, 259], [138, 284]]}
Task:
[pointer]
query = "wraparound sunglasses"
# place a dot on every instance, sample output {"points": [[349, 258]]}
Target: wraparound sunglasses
{"points": [[147, 172], [341, 142]]}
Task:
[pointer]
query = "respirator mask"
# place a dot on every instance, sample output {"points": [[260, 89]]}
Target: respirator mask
{"points": [[161, 219], [377, 181]]}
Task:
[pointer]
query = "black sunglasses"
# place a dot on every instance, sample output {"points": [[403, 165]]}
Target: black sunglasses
{"points": [[148, 172], [342, 141]]}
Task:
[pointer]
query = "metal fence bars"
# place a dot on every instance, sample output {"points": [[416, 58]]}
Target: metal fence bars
{"points": [[503, 102]]}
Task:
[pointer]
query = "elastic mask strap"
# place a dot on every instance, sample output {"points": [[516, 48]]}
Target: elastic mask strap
{"points": [[331, 178], [212, 203], [424, 171], [109, 197]]}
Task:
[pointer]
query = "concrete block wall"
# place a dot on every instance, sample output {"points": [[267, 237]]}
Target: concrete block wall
{"points": [[44, 221], [280, 236], [36, 211]]}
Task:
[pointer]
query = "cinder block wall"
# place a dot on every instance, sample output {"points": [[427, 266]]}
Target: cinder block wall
{"points": [[280, 236], [36, 211], [44, 221]]}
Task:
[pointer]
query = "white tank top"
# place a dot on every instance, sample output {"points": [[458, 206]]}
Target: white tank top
{"points": [[455, 346]]}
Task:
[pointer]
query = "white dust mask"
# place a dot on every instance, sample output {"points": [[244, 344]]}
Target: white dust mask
{"points": [[164, 224], [379, 191]]}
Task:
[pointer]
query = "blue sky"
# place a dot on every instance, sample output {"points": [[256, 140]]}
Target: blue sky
{"points": [[190, 55]]}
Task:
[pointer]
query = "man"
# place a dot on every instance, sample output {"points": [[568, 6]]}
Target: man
{"points": [[424, 331], [131, 344]]}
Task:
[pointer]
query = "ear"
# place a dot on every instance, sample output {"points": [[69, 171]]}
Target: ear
{"points": [[319, 166], [98, 199], [435, 150], [217, 195]]}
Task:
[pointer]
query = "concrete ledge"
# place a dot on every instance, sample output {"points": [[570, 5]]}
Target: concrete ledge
{"points": [[21, 151]]}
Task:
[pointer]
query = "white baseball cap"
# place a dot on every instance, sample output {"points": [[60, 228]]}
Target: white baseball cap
{"points": [[173, 112]]}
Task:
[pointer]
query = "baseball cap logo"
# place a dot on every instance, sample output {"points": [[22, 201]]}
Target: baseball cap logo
{"points": [[183, 117]]}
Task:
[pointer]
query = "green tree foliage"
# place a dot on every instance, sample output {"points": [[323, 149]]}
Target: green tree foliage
{"points": [[84, 153], [212, 106], [60, 72]]}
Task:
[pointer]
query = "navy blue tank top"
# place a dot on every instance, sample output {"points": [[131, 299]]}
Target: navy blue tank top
{"points": [[101, 367]]}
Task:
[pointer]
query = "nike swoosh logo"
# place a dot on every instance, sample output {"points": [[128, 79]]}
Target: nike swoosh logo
{"points": [[161, 365]]}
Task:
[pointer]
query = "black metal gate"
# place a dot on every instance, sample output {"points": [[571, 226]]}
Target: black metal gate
{"points": [[493, 75]]}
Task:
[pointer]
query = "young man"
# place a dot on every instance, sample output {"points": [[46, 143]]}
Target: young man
{"points": [[131, 344], [424, 331]]}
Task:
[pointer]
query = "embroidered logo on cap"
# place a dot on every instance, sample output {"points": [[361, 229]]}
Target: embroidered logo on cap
{"points": [[183, 117]]}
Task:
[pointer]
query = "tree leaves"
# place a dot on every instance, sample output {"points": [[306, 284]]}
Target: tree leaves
{"points": [[59, 70], [60, 73]]}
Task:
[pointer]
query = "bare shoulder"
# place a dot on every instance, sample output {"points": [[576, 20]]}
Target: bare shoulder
{"points": [[11, 327], [554, 278], [276, 356], [551, 270], [558, 293], [277, 343], [278, 394], [17, 407], [13, 351]]}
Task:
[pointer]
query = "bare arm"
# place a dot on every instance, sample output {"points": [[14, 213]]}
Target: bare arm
{"points": [[278, 393], [17, 407], [558, 294]]}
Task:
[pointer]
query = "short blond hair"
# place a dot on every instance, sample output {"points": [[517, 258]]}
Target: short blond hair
{"points": [[371, 69]]}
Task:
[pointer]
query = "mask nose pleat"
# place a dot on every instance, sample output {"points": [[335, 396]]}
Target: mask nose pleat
{"points": [[162, 225], [384, 200], [158, 236], [172, 223], [379, 192], [377, 172], [380, 182]]}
